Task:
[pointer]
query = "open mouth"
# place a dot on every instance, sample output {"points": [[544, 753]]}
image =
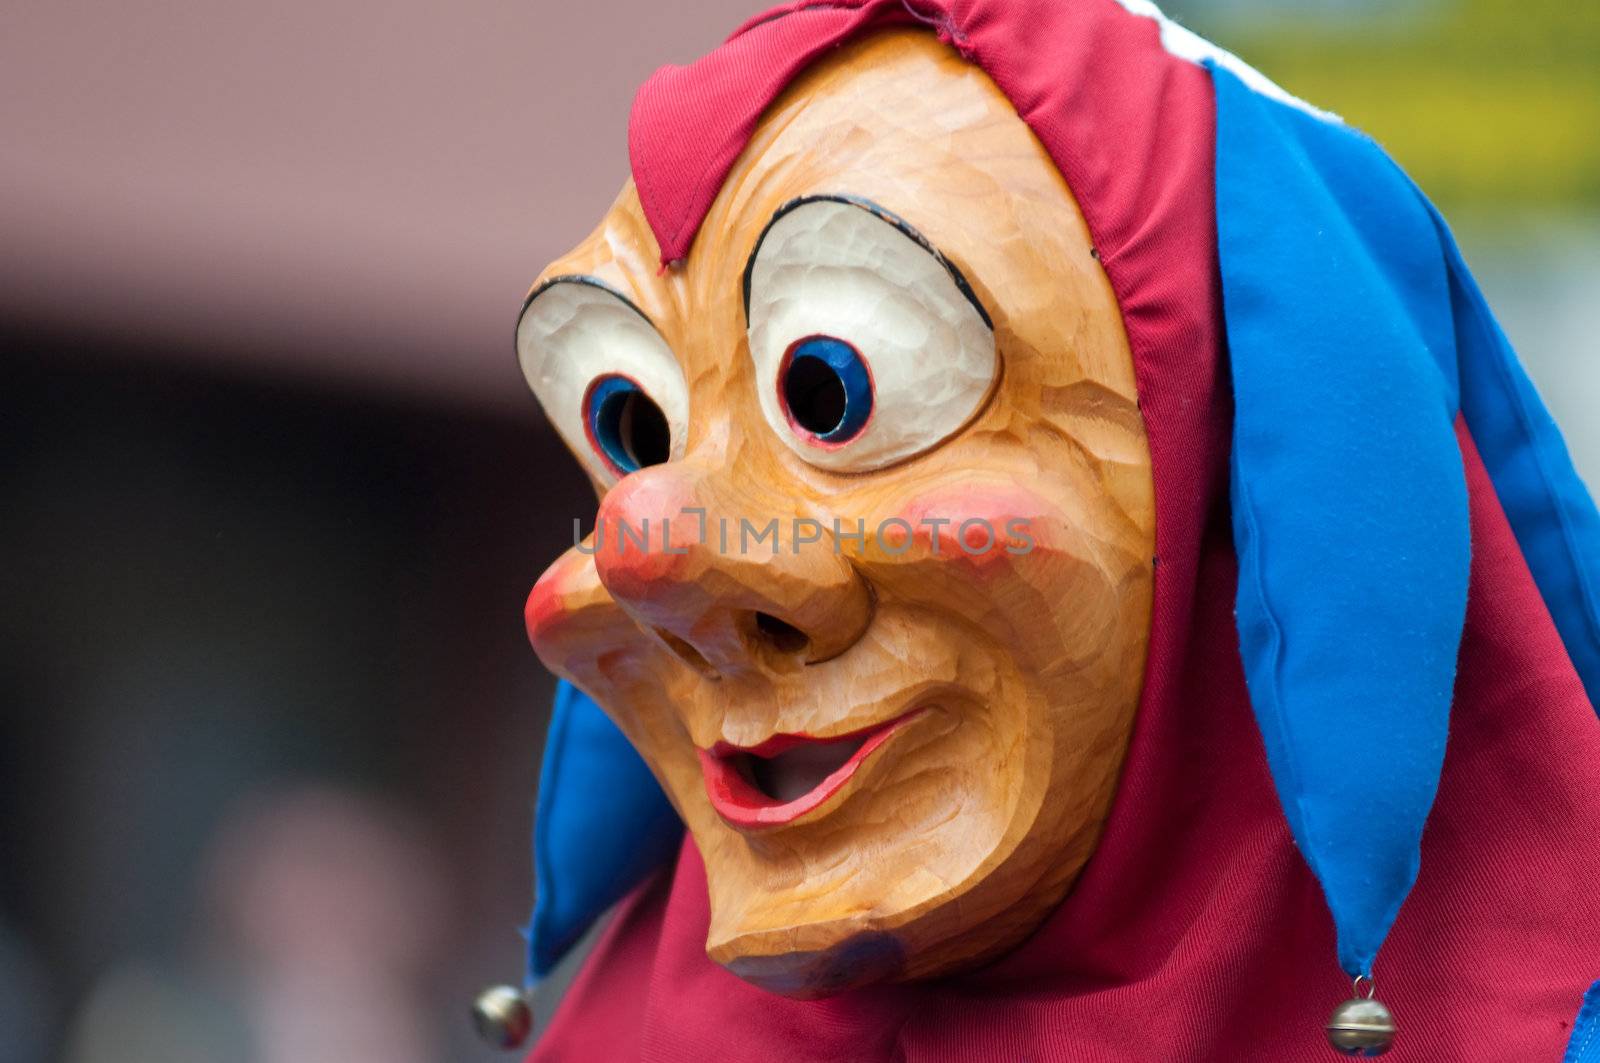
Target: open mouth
{"points": [[788, 775]]}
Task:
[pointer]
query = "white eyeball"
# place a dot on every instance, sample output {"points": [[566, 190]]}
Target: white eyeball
{"points": [[869, 346], [605, 377]]}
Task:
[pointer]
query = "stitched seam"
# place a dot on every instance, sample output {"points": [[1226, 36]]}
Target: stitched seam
{"points": [[1589, 610], [944, 25], [1588, 596], [1250, 569]]}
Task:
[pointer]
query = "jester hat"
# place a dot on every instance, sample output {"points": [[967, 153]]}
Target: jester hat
{"points": [[1366, 523]]}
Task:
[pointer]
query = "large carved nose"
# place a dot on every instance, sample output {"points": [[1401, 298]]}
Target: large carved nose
{"points": [[717, 570]]}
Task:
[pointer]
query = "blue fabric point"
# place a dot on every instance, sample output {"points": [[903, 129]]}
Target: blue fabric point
{"points": [[601, 825], [1356, 335], [1348, 493]]}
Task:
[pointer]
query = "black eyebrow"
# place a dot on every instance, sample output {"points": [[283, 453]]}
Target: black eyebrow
{"points": [[584, 279], [876, 211]]}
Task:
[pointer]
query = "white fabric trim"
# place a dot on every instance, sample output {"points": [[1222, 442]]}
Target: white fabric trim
{"points": [[1190, 46]]}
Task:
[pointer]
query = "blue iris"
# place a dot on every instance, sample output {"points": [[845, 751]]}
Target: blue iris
{"points": [[625, 425], [827, 389]]}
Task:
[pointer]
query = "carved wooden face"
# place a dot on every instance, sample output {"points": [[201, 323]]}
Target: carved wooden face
{"points": [[894, 718]]}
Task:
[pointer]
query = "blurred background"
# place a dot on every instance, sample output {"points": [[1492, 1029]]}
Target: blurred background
{"points": [[273, 491]]}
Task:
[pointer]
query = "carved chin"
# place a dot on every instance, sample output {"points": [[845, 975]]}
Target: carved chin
{"points": [[863, 959]]}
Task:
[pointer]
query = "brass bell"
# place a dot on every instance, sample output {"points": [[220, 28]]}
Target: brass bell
{"points": [[1361, 1027], [502, 1016]]}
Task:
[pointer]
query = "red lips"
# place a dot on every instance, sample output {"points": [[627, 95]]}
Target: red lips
{"points": [[788, 775]]}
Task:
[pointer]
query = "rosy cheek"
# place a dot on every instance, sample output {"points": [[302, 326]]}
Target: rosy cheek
{"points": [[987, 529]]}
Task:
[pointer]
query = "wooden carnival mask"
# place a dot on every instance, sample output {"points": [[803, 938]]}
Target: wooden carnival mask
{"points": [[870, 581]]}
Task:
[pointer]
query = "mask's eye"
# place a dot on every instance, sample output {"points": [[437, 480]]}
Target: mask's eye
{"points": [[625, 425], [827, 389], [604, 376], [869, 347]]}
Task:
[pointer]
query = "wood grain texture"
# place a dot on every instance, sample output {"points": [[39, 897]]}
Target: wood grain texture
{"points": [[964, 826]]}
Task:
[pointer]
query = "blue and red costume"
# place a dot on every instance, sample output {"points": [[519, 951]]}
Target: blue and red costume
{"points": [[1377, 610]]}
